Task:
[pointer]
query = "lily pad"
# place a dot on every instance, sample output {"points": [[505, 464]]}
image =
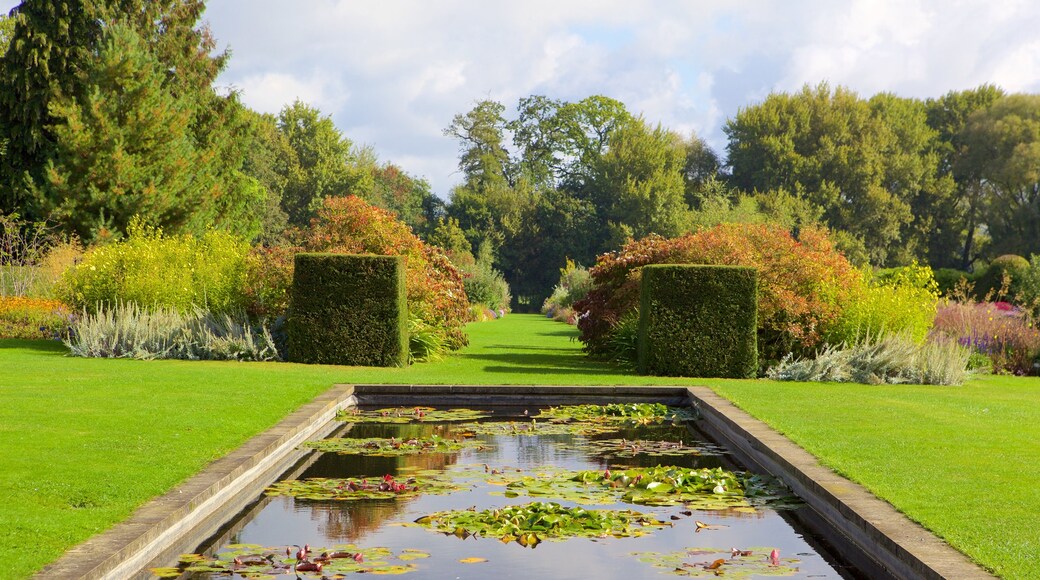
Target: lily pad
{"points": [[711, 562], [353, 488], [392, 447], [531, 523], [253, 562], [409, 415], [531, 427], [702, 489], [627, 448], [619, 413]]}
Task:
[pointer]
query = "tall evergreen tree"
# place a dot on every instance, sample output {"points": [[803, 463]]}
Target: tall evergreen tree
{"points": [[53, 77]]}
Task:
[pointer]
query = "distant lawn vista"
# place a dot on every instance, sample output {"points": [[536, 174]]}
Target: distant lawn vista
{"points": [[92, 439]]}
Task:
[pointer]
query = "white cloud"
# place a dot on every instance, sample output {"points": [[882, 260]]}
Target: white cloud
{"points": [[269, 92]]}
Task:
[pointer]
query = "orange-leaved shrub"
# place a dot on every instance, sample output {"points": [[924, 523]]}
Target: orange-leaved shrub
{"points": [[436, 295], [803, 283]]}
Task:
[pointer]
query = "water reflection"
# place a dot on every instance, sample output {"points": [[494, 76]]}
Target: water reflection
{"points": [[286, 521]]}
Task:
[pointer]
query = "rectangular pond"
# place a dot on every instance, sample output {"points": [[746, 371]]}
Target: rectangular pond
{"points": [[517, 493]]}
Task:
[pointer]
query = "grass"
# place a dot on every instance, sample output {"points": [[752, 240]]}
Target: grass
{"points": [[88, 440], [962, 461]]}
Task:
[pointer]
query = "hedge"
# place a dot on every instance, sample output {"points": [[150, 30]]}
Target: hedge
{"points": [[698, 321], [348, 310]]}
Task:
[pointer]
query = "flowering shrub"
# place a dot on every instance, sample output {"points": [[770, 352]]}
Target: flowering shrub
{"points": [[153, 270], [901, 300], [269, 274], [575, 283], [803, 284], [1006, 334], [33, 318], [436, 295], [485, 286]]}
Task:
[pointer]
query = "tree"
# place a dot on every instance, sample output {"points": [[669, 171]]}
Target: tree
{"points": [[123, 149], [954, 243], [394, 189], [638, 182], [54, 73], [483, 158], [324, 162], [848, 156], [1002, 149], [49, 43]]}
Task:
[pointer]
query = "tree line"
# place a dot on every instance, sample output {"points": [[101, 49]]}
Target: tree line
{"points": [[108, 111]]}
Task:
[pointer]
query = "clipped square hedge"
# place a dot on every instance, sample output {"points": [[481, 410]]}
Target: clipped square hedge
{"points": [[348, 310], [698, 321]]}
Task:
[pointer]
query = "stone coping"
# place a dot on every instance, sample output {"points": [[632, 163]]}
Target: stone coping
{"points": [[889, 543], [197, 508], [882, 541]]}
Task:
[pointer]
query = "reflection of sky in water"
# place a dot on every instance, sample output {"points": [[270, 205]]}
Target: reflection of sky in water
{"points": [[368, 524]]}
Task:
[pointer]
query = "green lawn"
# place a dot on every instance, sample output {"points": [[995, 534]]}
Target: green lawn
{"points": [[86, 441], [963, 461]]}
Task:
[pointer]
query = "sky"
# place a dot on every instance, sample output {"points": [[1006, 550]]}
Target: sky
{"points": [[393, 73]]}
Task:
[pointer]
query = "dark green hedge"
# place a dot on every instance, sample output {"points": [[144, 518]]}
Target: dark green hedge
{"points": [[349, 310], [698, 321]]}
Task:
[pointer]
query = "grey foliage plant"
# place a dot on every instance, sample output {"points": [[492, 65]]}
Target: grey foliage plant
{"points": [[128, 331], [891, 358]]}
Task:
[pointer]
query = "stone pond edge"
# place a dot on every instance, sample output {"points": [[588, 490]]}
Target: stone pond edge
{"points": [[882, 540]]}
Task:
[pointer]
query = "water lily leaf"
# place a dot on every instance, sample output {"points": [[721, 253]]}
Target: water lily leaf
{"points": [[412, 554], [168, 572], [711, 562], [353, 488], [531, 523], [619, 413], [392, 447], [409, 415], [534, 427], [251, 561], [473, 560]]}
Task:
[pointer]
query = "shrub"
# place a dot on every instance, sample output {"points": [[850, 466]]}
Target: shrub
{"points": [[948, 279], [892, 358], [129, 331], [803, 284], [436, 295], [33, 318], [698, 321], [1029, 289], [268, 278], [157, 271], [991, 281], [60, 257], [575, 283], [485, 286], [1006, 334], [349, 310], [23, 246], [899, 300]]}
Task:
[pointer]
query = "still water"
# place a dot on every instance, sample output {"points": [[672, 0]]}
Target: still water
{"points": [[277, 522]]}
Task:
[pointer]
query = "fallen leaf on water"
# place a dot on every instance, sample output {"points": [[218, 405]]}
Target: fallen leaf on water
{"points": [[473, 560]]}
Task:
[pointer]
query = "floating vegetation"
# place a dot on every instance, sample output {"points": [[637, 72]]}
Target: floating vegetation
{"points": [[254, 561], [627, 448], [530, 524], [619, 413], [536, 427], [352, 488], [410, 415], [731, 563], [393, 447], [702, 489]]}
